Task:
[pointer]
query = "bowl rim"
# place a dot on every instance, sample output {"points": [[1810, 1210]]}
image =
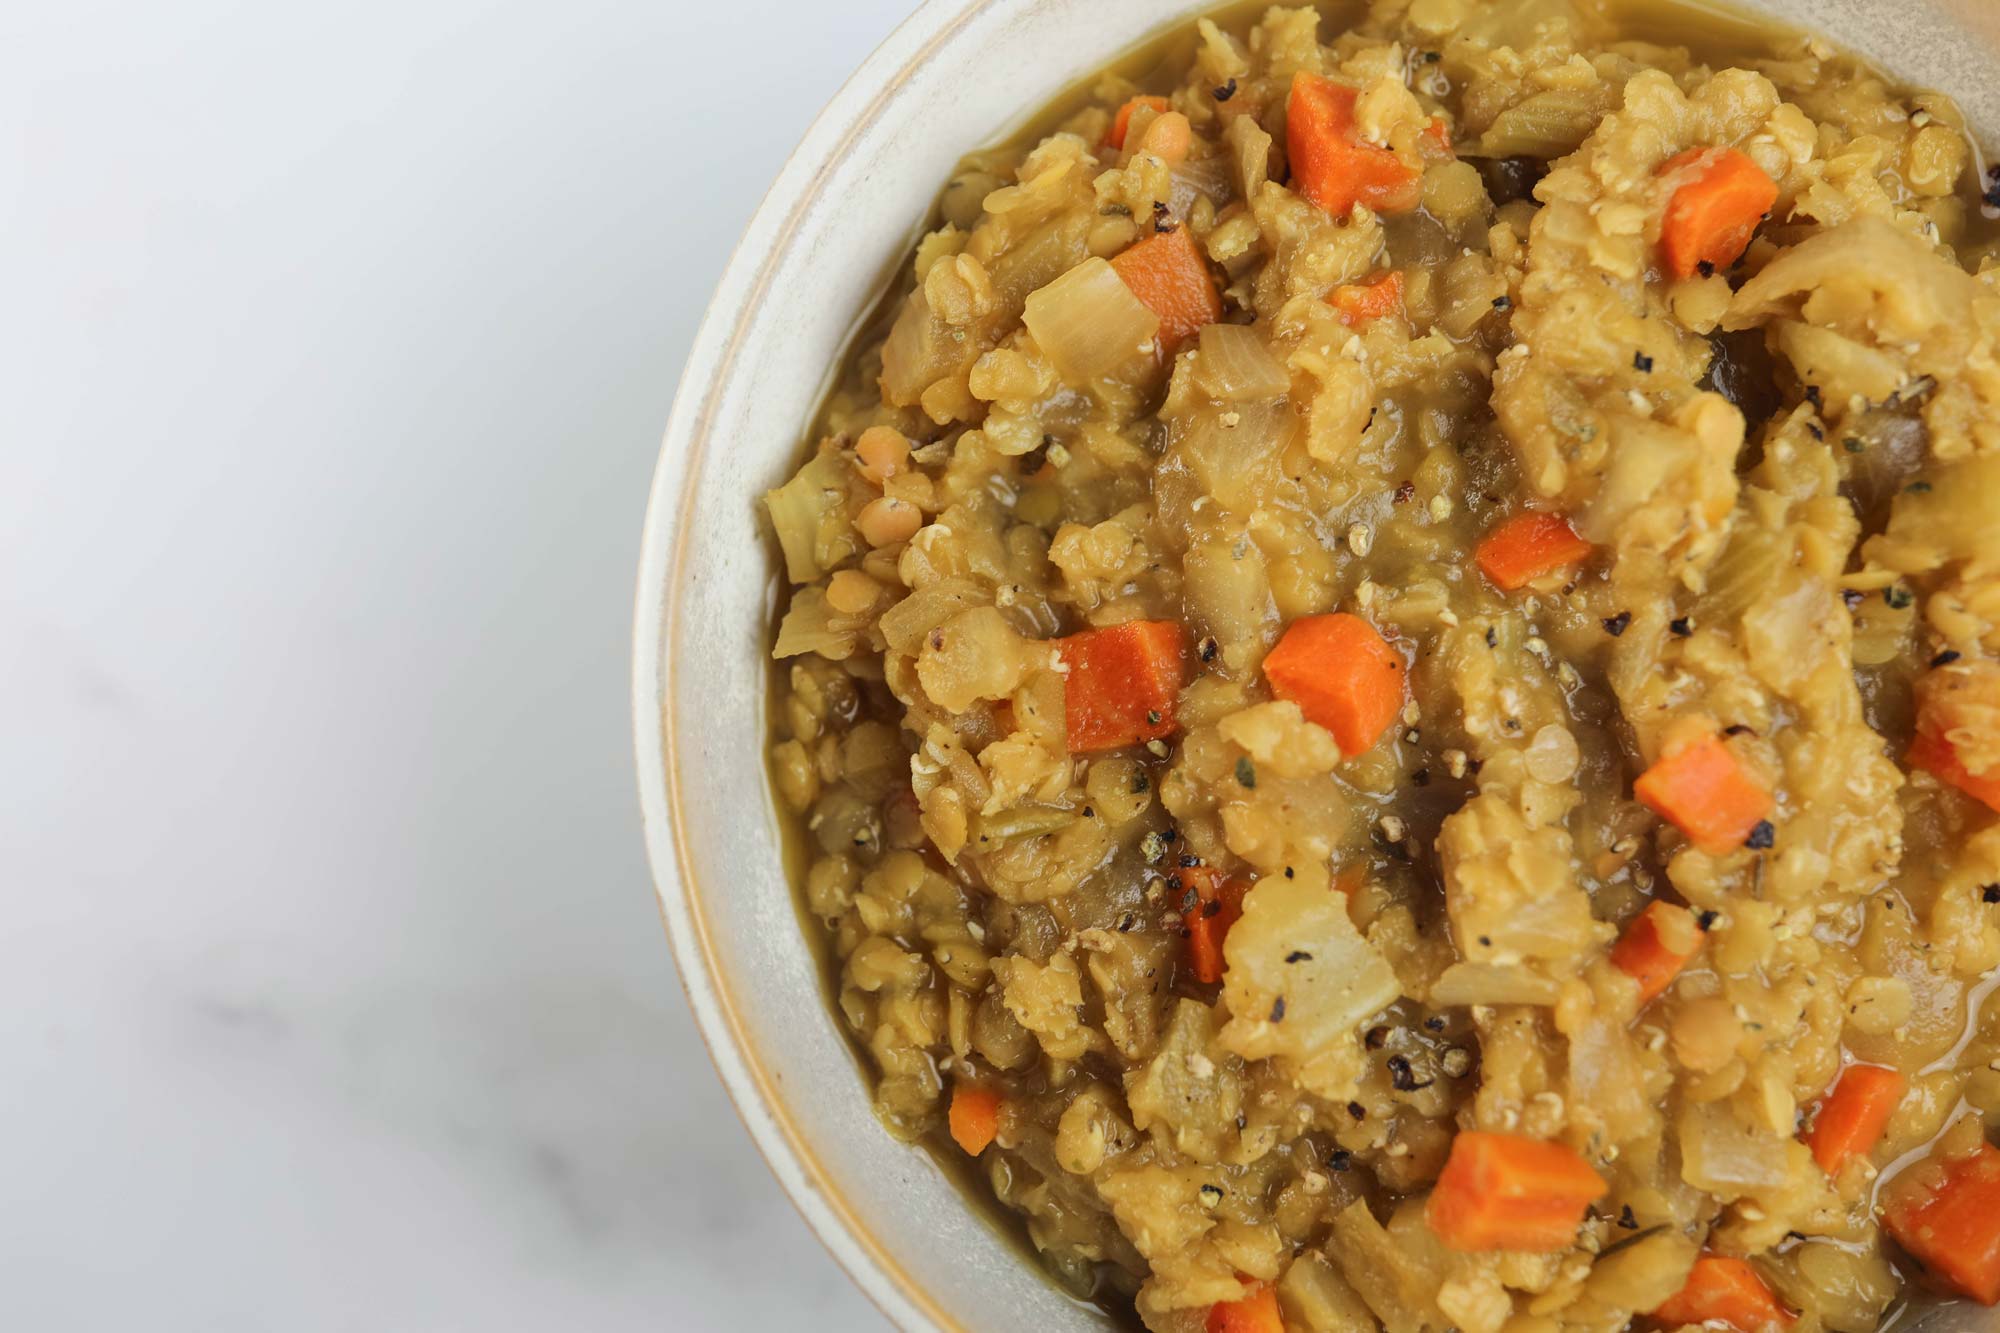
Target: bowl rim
{"points": [[861, 99]]}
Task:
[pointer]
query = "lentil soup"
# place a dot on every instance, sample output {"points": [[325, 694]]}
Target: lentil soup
{"points": [[1391, 679]]}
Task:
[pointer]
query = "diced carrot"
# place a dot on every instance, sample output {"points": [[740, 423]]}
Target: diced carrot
{"points": [[1436, 139], [1526, 547], [1505, 1192], [1715, 210], [1255, 1313], [1205, 936], [1341, 674], [1122, 121], [1360, 303], [1937, 756], [1704, 792], [1219, 902], [1656, 946], [1951, 1221], [1721, 1290], [1851, 1119], [1168, 273], [1331, 166], [1122, 685], [974, 1117]]}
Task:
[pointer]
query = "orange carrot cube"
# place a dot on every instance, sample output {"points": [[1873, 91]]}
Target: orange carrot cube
{"points": [[1948, 1217], [1255, 1313], [1705, 793], [1851, 1119], [1360, 303], [1170, 276], [1526, 547], [974, 1117], [1331, 165], [1122, 685], [1724, 1291], [1506, 1192], [1342, 675], [1937, 756], [1656, 946], [1722, 198], [1218, 904]]}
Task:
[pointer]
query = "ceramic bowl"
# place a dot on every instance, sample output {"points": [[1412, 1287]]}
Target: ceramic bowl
{"points": [[840, 217]]}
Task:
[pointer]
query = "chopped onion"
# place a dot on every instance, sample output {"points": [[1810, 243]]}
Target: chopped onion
{"points": [[1604, 1076], [919, 352], [1333, 983], [1790, 630], [1022, 821], [1088, 322], [808, 627], [1228, 592], [1388, 1275], [1233, 454], [1750, 564], [1236, 367], [1251, 147], [807, 512], [1839, 367], [1207, 176], [905, 624], [1488, 983], [1726, 1157], [1548, 124]]}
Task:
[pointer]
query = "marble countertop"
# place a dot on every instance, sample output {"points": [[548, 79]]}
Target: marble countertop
{"points": [[337, 345]]}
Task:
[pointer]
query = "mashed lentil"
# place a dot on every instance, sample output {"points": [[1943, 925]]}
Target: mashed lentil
{"points": [[1390, 692]]}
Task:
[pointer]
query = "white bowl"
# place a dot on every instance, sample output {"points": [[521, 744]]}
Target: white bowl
{"points": [[839, 219]]}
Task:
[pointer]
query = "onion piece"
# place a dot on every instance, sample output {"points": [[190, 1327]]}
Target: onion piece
{"points": [[1726, 1157], [1547, 125], [1233, 454], [1201, 176], [812, 626], [808, 512], [905, 625], [1088, 321], [1236, 367], [1487, 983], [919, 352]]}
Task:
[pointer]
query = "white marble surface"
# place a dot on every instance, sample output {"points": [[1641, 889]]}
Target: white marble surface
{"points": [[335, 341]]}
